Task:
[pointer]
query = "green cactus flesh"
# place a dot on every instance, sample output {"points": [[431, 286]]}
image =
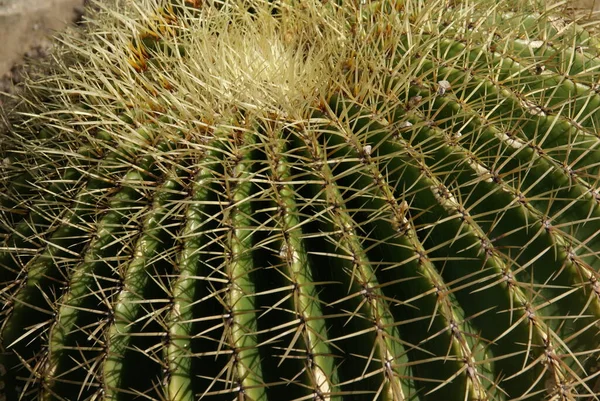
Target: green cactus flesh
{"points": [[268, 201]]}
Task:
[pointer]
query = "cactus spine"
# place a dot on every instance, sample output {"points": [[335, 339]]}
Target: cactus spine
{"points": [[262, 201]]}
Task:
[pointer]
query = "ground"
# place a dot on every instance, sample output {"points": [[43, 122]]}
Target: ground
{"points": [[25, 29]]}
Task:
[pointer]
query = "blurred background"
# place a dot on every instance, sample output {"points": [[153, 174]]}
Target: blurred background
{"points": [[25, 30]]}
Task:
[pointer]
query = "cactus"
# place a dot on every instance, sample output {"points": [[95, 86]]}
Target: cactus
{"points": [[250, 200]]}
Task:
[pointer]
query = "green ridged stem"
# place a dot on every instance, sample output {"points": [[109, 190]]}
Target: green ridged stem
{"points": [[559, 138], [542, 177], [454, 240], [379, 201], [25, 235], [46, 270], [130, 312], [424, 288], [239, 302], [554, 251], [450, 234], [513, 217], [13, 201], [584, 192], [582, 68], [548, 29], [365, 298], [554, 258], [76, 305], [43, 214], [321, 379], [192, 270], [450, 330], [548, 90]]}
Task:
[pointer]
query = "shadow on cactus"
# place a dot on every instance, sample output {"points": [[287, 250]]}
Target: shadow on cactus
{"points": [[268, 201]]}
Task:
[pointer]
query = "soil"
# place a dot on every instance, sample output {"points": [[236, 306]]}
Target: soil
{"points": [[26, 28]]}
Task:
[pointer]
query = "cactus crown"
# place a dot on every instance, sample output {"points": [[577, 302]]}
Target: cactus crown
{"points": [[374, 200]]}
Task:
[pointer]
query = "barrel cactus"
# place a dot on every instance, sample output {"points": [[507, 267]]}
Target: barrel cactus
{"points": [[371, 200]]}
